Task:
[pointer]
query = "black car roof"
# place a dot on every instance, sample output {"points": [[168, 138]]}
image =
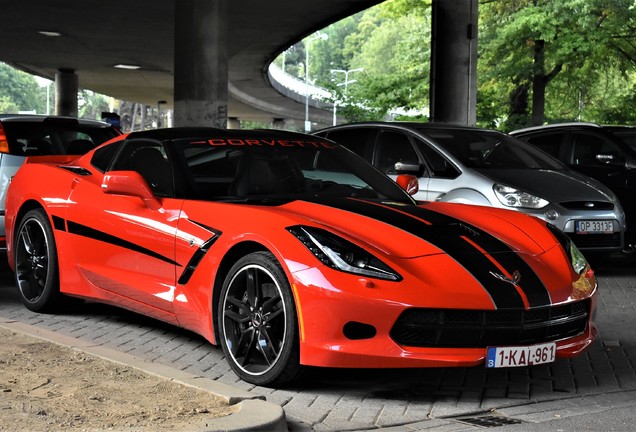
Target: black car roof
{"points": [[405, 124], [39, 118], [185, 132]]}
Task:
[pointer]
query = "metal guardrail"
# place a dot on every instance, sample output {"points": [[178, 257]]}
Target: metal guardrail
{"points": [[298, 89]]}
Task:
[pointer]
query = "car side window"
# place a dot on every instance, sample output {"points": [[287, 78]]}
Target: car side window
{"points": [[150, 160], [393, 147], [549, 143], [439, 165], [103, 156], [594, 150]]}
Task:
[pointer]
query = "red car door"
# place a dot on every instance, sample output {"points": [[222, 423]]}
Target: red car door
{"points": [[123, 246]]}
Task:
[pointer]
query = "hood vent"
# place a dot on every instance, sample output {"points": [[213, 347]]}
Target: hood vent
{"points": [[463, 229], [588, 205]]}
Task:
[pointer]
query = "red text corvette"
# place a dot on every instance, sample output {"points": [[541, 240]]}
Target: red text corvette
{"points": [[289, 250]]}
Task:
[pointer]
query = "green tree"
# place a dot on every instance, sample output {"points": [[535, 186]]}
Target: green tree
{"points": [[19, 91], [391, 45], [556, 53], [329, 54], [390, 42], [400, 79], [7, 105], [90, 105]]}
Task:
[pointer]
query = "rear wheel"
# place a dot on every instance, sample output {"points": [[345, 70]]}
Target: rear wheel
{"points": [[257, 321], [36, 269]]}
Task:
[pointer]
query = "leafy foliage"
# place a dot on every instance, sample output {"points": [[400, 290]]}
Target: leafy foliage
{"points": [[539, 61], [386, 51], [19, 91], [587, 49]]}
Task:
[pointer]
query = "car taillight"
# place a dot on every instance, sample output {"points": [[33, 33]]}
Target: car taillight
{"points": [[4, 144]]}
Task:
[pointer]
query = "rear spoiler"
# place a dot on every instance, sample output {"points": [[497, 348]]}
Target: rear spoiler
{"points": [[52, 159]]}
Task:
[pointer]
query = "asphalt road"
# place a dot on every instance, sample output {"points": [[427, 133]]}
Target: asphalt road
{"points": [[595, 391]]}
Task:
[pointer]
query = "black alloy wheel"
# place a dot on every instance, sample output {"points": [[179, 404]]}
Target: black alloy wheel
{"points": [[36, 269], [257, 321]]}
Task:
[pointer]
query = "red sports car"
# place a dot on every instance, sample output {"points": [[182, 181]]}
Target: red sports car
{"points": [[291, 251]]}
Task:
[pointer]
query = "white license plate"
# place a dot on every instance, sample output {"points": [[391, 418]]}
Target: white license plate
{"points": [[594, 227], [518, 356]]}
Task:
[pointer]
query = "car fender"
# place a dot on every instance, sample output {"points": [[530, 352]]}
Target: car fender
{"points": [[464, 196]]}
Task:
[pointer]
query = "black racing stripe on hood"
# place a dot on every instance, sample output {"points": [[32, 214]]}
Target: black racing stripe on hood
{"points": [[446, 233], [531, 285]]}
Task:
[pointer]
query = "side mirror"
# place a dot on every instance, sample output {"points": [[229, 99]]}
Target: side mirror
{"points": [[408, 168], [130, 183], [609, 159], [409, 183]]}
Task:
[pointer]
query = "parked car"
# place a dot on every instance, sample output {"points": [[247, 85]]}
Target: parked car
{"points": [[290, 251], [486, 167], [606, 153], [23, 135]]}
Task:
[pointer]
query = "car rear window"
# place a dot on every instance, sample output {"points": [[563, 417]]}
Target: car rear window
{"points": [[30, 138]]}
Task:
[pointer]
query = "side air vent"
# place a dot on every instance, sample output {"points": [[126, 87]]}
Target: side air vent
{"points": [[77, 170]]}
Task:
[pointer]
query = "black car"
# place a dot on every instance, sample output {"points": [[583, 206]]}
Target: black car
{"points": [[24, 135], [606, 153]]}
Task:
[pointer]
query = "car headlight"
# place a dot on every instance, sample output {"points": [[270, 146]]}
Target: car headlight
{"points": [[578, 261], [513, 197], [341, 254]]}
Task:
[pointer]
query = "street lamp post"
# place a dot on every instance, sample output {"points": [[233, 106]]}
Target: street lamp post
{"points": [[346, 83], [317, 35]]}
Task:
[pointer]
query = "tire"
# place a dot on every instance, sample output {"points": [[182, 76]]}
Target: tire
{"points": [[257, 322], [36, 267]]}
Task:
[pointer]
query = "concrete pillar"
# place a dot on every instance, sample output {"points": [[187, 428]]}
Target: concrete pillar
{"points": [[278, 123], [201, 63], [233, 123], [453, 80], [66, 87]]}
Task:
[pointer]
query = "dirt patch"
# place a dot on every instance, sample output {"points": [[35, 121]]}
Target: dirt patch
{"points": [[45, 387]]}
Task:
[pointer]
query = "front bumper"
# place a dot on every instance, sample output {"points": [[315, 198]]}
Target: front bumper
{"points": [[356, 328]]}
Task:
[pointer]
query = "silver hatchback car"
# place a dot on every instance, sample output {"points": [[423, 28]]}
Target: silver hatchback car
{"points": [[25, 135], [485, 167]]}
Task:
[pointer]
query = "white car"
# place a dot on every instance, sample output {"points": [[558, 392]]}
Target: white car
{"points": [[23, 135], [481, 166]]}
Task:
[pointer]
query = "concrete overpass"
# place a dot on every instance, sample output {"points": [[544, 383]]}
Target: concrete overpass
{"points": [[85, 41]]}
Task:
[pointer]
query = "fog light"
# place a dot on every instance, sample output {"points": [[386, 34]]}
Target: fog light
{"points": [[356, 330], [552, 215]]}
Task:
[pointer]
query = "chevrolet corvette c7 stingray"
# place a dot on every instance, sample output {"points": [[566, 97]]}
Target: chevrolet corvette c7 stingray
{"points": [[291, 251]]}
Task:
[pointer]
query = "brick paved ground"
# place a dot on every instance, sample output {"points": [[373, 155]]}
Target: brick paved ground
{"points": [[358, 400]]}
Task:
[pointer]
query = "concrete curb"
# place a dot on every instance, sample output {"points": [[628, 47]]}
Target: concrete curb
{"points": [[254, 414]]}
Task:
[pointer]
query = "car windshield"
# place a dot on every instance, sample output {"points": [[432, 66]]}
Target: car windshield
{"points": [[258, 169], [489, 149]]}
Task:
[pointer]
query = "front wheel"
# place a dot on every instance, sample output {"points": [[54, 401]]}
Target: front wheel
{"points": [[257, 321]]}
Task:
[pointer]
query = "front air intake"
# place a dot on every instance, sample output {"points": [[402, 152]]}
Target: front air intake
{"points": [[461, 328]]}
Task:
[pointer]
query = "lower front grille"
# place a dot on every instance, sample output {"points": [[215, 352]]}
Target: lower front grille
{"points": [[583, 241], [461, 328]]}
